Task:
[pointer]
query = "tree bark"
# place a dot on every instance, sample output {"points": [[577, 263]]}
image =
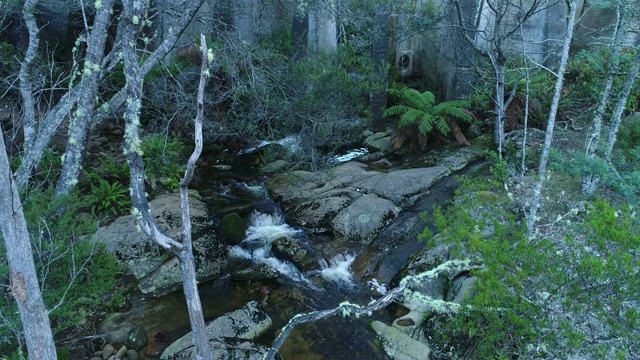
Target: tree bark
{"points": [[449, 269], [50, 122], [23, 278], [81, 117], [380, 59], [551, 120], [26, 92], [590, 181], [133, 17]]}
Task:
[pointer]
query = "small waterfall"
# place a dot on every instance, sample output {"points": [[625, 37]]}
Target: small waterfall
{"points": [[337, 269], [263, 230], [267, 228]]}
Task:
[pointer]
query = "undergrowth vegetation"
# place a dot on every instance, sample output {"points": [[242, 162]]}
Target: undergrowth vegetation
{"points": [[79, 280], [569, 292]]}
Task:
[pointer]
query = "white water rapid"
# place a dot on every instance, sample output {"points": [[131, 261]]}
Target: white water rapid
{"points": [[264, 229]]}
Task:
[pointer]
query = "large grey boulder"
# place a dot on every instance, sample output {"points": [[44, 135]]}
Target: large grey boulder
{"points": [[158, 275], [399, 345], [246, 324], [356, 202]]}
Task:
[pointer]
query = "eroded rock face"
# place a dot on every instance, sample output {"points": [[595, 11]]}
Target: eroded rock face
{"points": [[245, 324], [355, 202], [158, 275]]}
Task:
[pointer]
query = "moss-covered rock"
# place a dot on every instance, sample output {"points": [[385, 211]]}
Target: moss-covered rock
{"points": [[233, 227]]}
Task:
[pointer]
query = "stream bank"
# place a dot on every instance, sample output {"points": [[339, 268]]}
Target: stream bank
{"points": [[356, 223]]}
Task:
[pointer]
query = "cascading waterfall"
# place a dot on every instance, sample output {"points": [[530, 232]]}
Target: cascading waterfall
{"points": [[264, 229]]}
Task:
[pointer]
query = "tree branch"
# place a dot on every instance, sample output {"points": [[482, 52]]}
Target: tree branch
{"points": [[450, 269]]}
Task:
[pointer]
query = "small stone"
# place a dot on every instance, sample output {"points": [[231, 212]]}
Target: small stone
{"points": [[154, 349], [95, 358], [406, 322], [121, 353], [233, 228], [136, 338], [107, 351], [132, 355]]}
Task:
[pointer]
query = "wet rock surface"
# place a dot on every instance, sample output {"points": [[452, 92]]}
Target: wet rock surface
{"points": [[244, 324], [158, 275], [355, 202]]}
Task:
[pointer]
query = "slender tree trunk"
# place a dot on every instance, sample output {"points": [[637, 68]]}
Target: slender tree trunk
{"points": [[26, 91], [525, 60], [380, 59], [189, 284], [22, 271], [616, 118], [590, 181], [81, 118], [498, 126], [133, 17], [551, 120], [50, 122]]}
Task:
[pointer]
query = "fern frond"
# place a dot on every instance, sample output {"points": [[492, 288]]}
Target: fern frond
{"points": [[426, 124], [410, 117], [429, 99], [396, 110], [454, 112], [442, 126]]}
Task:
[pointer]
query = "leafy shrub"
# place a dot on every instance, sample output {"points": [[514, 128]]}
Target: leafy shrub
{"points": [[163, 160], [625, 180], [587, 71], [628, 143], [77, 278], [541, 298], [109, 198], [419, 111]]}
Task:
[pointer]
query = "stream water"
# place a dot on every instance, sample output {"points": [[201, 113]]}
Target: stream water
{"points": [[337, 273]]}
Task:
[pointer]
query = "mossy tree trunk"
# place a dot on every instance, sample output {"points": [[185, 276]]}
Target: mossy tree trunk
{"points": [[551, 120], [22, 270], [134, 18]]}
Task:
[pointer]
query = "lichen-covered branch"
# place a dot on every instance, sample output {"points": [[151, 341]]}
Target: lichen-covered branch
{"points": [[26, 91], [187, 265], [450, 269]]}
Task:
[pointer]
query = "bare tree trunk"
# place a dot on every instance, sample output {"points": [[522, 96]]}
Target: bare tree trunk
{"points": [[26, 91], [50, 122], [616, 118], [448, 269], [81, 117], [525, 60], [590, 181], [551, 120], [134, 16], [380, 58], [498, 126], [24, 281]]}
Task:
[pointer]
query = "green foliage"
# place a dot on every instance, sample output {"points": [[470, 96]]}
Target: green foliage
{"points": [[587, 71], [625, 180], [163, 160], [421, 109], [78, 279], [109, 199], [9, 65], [532, 298], [628, 144]]}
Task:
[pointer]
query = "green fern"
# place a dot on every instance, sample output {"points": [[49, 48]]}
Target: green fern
{"points": [[418, 110], [421, 109]]}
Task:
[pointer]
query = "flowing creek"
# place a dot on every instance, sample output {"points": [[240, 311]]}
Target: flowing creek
{"points": [[337, 272]]}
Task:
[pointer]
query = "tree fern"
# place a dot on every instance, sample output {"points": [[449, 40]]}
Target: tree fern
{"points": [[419, 110]]}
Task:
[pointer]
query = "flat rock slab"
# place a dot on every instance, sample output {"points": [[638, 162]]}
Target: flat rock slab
{"points": [[399, 345], [247, 323], [158, 276], [355, 202]]}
